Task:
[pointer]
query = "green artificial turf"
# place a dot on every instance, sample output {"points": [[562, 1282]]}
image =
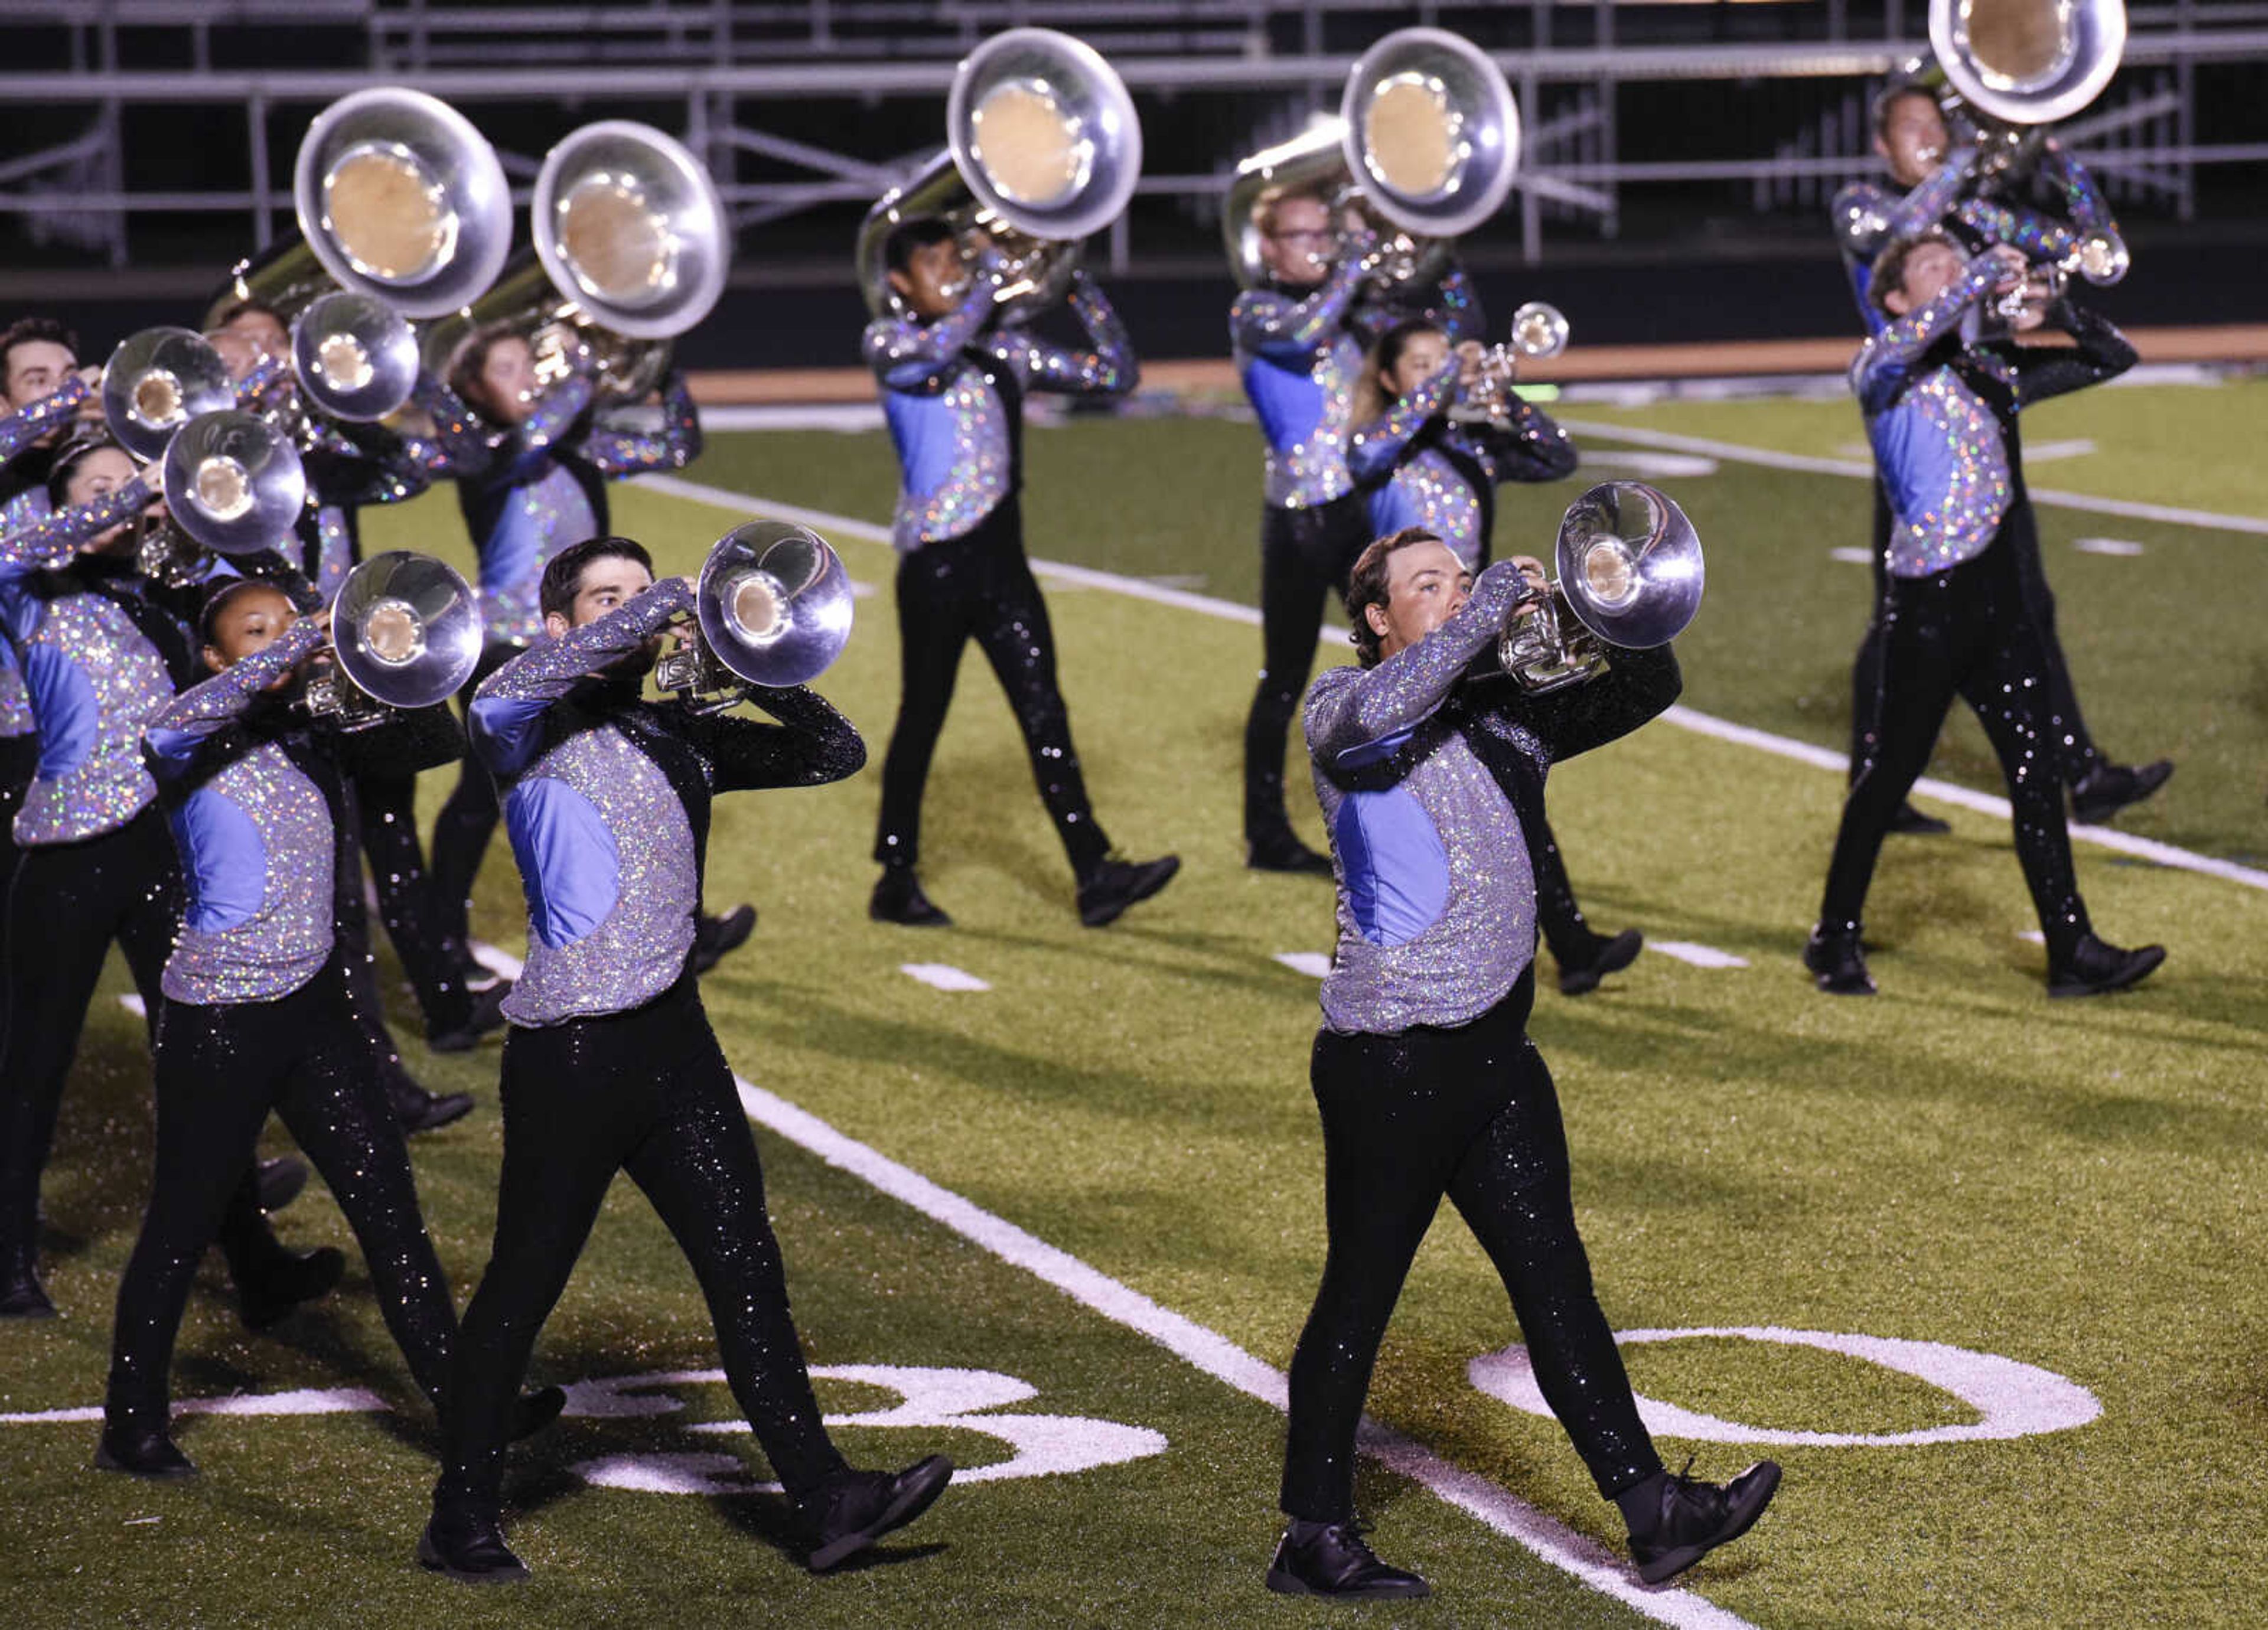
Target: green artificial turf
{"points": [[2077, 1187]]}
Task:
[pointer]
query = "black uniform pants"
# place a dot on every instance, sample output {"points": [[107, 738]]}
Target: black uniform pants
{"points": [[386, 813], [67, 904], [466, 822], [220, 1070], [647, 1092], [980, 587], [1967, 631], [1306, 557], [1470, 1113]]}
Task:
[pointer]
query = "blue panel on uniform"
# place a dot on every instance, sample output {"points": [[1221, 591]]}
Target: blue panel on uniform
{"points": [[1392, 507], [1397, 870], [568, 861], [1916, 458], [223, 861], [1290, 404], [927, 433], [64, 701]]}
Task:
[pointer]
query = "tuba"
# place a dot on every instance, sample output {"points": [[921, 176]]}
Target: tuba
{"points": [[1630, 577], [156, 383], [405, 633], [233, 481], [1043, 147], [772, 610], [2027, 61], [631, 249], [1427, 143]]}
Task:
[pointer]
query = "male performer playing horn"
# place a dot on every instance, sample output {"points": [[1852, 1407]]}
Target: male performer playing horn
{"points": [[1423, 1071], [611, 1064], [953, 388]]}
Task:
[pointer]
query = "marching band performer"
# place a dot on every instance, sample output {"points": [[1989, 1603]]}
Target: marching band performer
{"points": [[1298, 341], [953, 382], [257, 1013], [1957, 619], [1423, 1072], [611, 1064], [101, 649]]}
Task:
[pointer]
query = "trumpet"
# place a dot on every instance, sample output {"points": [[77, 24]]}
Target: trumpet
{"points": [[1426, 145], [1539, 333], [1629, 578], [405, 633], [2097, 257], [772, 610], [1042, 148]]}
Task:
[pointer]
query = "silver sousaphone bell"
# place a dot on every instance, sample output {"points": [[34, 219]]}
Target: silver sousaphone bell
{"points": [[157, 381], [405, 633], [233, 481], [355, 356], [773, 606], [1628, 577]]}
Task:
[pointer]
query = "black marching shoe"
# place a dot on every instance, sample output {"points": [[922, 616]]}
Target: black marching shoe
{"points": [[1691, 1519], [416, 1110], [714, 936], [289, 1280], [485, 1014], [1106, 892], [1913, 823], [1837, 964], [21, 1296], [464, 1540], [898, 898], [1330, 1559], [2104, 791], [278, 1182], [856, 1509], [2096, 968], [1285, 853], [150, 1455], [1607, 956]]}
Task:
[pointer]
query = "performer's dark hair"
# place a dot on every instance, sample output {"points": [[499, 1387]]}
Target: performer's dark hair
{"points": [[1890, 96], [907, 236], [1889, 270], [221, 594], [1367, 585], [35, 330], [563, 573], [1370, 396], [243, 308], [80, 439], [472, 355]]}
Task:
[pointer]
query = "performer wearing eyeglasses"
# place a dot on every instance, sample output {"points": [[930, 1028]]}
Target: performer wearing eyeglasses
{"points": [[611, 1064], [101, 649], [258, 1015], [1940, 178], [953, 384], [1423, 1071], [1956, 619]]}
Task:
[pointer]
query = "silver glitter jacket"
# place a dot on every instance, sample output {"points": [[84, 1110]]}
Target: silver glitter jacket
{"points": [[959, 447], [607, 797], [1417, 466], [1413, 760]]}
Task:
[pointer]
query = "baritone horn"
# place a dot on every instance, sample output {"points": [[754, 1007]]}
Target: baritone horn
{"points": [[1630, 577], [1427, 143], [631, 250], [405, 633], [156, 383], [1042, 148], [233, 481], [2027, 62], [354, 356], [773, 608]]}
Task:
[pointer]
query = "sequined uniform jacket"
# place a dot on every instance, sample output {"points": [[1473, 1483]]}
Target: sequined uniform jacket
{"points": [[953, 394], [23, 501], [1414, 766], [1941, 418], [1868, 217], [253, 792], [1417, 468], [528, 493], [606, 797], [1299, 360]]}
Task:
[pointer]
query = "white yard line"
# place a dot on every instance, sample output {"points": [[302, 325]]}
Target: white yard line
{"points": [[1684, 718], [1772, 458]]}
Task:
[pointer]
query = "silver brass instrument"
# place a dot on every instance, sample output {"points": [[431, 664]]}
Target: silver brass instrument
{"points": [[405, 633], [1539, 333], [233, 481], [632, 248], [167, 554], [2027, 61], [2097, 257], [354, 356], [1630, 577], [1042, 148], [1427, 142], [156, 383], [773, 608]]}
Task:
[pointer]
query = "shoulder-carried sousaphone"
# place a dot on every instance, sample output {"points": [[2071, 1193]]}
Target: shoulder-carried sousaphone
{"points": [[1042, 148], [405, 633], [1426, 142], [773, 608], [1630, 577]]}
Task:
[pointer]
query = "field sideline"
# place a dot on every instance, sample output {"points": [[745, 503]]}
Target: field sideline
{"points": [[2075, 1190]]}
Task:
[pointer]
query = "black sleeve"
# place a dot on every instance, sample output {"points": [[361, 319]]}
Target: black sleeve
{"points": [[812, 744], [1636, 686], [410, 739], [2102, 353]]}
